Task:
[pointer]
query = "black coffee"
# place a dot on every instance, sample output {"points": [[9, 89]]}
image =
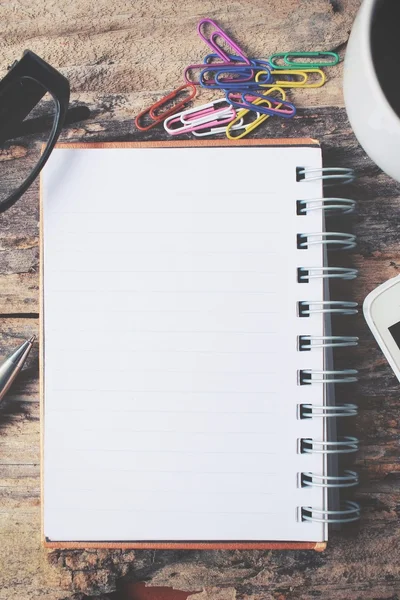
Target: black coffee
{"points": [[385, 38]]}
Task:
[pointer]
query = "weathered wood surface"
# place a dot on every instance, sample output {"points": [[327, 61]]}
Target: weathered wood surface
{"points": [[120, 56]]}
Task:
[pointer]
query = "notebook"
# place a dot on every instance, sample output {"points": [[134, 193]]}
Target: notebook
{"points": [[174, 390]]}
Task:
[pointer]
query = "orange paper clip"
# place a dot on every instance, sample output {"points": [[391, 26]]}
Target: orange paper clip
{"points": [[151, 112]]}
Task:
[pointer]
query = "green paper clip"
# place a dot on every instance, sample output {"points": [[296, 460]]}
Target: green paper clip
{"points": [[295, 64]]}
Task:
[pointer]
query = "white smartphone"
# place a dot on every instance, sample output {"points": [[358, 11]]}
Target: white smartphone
{"points": [[382, 313]]}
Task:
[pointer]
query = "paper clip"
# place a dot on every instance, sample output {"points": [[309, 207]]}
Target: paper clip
{"points": [[260, 118], [244, 82], [243, 76], [179, 127], [215, 130], [294, 64], [285, 109], [256, 62], [151, 111], [213, 44], [209, 58], [262, 77], [228, 66], [235, 97], [242, 114], [302, 83], [206, 112]]}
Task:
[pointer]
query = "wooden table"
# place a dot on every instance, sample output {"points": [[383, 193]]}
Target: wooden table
{"points": [[121, 56]]}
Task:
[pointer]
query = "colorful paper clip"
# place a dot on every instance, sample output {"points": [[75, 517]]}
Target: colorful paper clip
{"points": [[248, 100], [264, 77], [295, 64], [287, 110], [251, 85], [150, 112], [206, 112], [235, 97], [175, 126], [210, 58], [246, 81], [248, 73], [290, 82], [256, 62], [239, 124], [247, 127], [218, 32]]}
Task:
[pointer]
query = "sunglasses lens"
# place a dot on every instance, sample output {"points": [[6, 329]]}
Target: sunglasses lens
{"points": [[28, 115]]}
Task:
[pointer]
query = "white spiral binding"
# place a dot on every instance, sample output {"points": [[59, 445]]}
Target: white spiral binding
{"points": [[349, 511], [330, 206], [348, 479], [310, 342], [334, 239], [311, 376], [312, 411], [307, 273], [327, 307], [343, 445], [331, 175]]}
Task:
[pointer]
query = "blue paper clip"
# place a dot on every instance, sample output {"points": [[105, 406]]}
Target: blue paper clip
{"points": [[287, 110], [261, 63], [256, 62], [280, 111], [246, 73], [246, 81], [236, 103], [265, 78]]}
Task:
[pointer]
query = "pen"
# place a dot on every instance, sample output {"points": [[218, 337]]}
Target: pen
{"points": [[12, 366]]}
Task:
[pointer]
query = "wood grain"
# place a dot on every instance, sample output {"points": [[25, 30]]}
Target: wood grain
{"points": [[119, 57]]}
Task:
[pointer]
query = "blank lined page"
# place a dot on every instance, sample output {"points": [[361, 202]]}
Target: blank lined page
{"points": [[170, 344]]}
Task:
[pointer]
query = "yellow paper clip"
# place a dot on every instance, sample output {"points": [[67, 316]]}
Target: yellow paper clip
{"points": [[303, 78], [259, 117]]}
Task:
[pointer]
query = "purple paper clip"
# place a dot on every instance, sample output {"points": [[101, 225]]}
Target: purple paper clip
{"points": [[213, 44]]}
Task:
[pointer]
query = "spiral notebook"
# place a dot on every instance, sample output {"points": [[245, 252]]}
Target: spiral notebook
{"points": [[186, 346]]}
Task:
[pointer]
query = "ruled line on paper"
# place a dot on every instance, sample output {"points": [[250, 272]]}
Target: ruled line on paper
{"points": [[125, 271], [138, 291], [180, 491], [197, 472], [175, 392], [133, 410], [214, 353], [169, 370], [192, 452], [178, 431], [205, 252], [170, 212], [163, 232], [138, 511], [161, 331]]}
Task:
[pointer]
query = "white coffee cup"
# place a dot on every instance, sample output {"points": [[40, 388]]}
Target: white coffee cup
{"points": [[374, 121]]}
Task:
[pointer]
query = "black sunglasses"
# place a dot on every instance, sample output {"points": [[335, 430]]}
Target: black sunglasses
{"points": [[34, 99]]}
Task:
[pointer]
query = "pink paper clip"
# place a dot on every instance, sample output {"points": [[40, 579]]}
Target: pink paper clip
{"points": [[170, 124], [206, 112], [217, 31]]}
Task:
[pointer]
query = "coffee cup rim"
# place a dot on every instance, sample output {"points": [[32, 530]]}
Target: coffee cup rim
{"points": [[376, 88]]}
